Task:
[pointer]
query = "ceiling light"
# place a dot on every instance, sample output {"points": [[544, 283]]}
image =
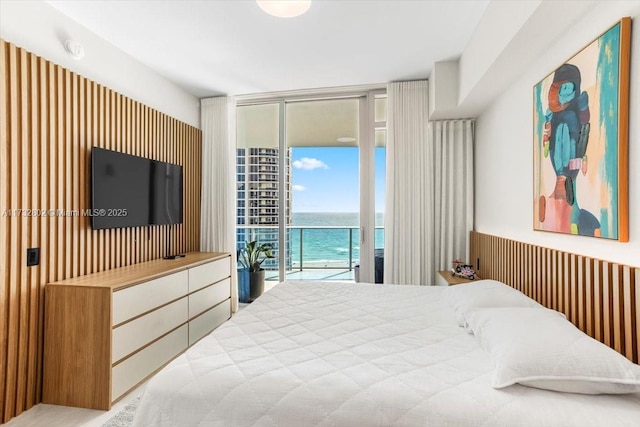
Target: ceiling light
{"points": [[74, 49], [284, 8]]}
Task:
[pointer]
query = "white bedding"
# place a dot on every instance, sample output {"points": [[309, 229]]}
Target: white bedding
{"points": [[340, 354]]}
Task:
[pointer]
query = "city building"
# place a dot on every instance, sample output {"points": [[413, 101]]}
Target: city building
{"points": [[257, 199]]}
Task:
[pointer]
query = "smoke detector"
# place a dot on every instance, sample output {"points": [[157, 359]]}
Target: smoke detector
{"points": [[74, 49]]}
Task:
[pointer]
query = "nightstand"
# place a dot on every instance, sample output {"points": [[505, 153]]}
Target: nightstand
{"points": [[445, 278]]}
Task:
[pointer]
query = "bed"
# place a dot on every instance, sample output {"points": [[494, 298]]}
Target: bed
{"points": [[344, 354]]}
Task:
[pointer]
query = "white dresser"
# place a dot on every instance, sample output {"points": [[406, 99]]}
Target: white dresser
{"points": [[107, 332]]}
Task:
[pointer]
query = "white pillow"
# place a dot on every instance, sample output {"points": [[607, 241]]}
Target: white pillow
{"points": [[540, 348], [484, 293]]}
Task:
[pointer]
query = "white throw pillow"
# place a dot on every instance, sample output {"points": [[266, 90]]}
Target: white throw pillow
{"points": [[540, 348], [484, 293]]}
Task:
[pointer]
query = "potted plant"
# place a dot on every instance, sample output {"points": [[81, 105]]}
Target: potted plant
{"points": [[251, 258]]}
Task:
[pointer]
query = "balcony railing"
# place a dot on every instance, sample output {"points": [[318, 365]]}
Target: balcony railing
{"points": [[305, 246]]}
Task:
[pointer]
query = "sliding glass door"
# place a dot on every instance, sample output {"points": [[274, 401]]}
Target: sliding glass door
{"points": [[323, 139], [380, 180], [311, 181], [259, 192]]}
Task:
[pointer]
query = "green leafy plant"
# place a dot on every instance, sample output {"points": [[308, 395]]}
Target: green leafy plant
{"points": [[253, 255]]}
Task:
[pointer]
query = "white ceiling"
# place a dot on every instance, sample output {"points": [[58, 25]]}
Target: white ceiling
{"points": [[232, 47]]}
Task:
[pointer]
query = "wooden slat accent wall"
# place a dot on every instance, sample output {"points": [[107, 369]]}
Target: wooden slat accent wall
{"points": [[49, 119], [599, 297]]}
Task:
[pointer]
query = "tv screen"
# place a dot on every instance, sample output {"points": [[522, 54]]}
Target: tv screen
{"points": [[130, 191]]}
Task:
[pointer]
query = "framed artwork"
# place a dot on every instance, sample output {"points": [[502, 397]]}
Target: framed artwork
{"points": [[580, 136]]}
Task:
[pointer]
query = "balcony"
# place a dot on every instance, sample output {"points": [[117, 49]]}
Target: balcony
{"points": [[313, 252]]}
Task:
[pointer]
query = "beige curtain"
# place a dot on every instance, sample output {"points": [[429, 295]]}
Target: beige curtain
{"points": [[408, 238], [218, 210], [453, 174], [429, 190]]}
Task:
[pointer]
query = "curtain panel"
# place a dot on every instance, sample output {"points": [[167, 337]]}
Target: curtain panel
{"points": [[408, 225], [218, 212], [453, 173], [429, 189]]}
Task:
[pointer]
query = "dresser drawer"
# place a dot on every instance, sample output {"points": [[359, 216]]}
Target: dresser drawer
{"points": [[208, 321], [135, 300], [207, 274], [206, 298], [136, 368], [130, 336]]}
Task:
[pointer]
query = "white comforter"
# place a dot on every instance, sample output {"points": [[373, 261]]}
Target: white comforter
{"points": [[340, 354]]}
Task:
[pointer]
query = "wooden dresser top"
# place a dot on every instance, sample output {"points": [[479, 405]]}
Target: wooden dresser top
{"points": [[123, 277]]}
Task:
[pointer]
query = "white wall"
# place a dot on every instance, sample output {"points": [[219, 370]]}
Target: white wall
{"points": [[39, 28], [510, 36], [443, 96], [504, 147], [501, 21]]}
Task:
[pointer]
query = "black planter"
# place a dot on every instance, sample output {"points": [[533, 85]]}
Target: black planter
{"points": [[256, 284]]}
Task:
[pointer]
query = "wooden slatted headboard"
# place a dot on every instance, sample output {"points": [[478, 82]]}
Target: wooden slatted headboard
{"points": [[599, 297]]}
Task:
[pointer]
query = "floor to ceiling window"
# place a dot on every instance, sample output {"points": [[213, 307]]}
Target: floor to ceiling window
{"points": [[311, 181], [258, 187], [380, 164], [323, 138]]}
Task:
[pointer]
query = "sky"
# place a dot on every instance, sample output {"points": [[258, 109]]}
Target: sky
{"points": [[326, 179]]}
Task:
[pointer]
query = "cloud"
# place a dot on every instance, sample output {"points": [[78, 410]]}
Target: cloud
{"points": [[308, 163], [298, 187]]}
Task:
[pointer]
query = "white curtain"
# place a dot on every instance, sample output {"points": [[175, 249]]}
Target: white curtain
{"points": [[218, 206], [429, 197], [453, 173], [408, 250]]}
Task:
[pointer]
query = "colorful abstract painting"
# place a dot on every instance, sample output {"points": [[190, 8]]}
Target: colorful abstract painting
{"points": [[580, 131]]}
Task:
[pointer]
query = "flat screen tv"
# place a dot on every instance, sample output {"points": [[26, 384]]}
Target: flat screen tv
{"points": [[132, 191]]}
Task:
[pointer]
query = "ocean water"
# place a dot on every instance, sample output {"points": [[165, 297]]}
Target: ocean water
{"points": [[327, 246]]}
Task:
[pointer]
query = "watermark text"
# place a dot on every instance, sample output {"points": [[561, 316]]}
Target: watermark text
{"points": [[30, 213]]}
